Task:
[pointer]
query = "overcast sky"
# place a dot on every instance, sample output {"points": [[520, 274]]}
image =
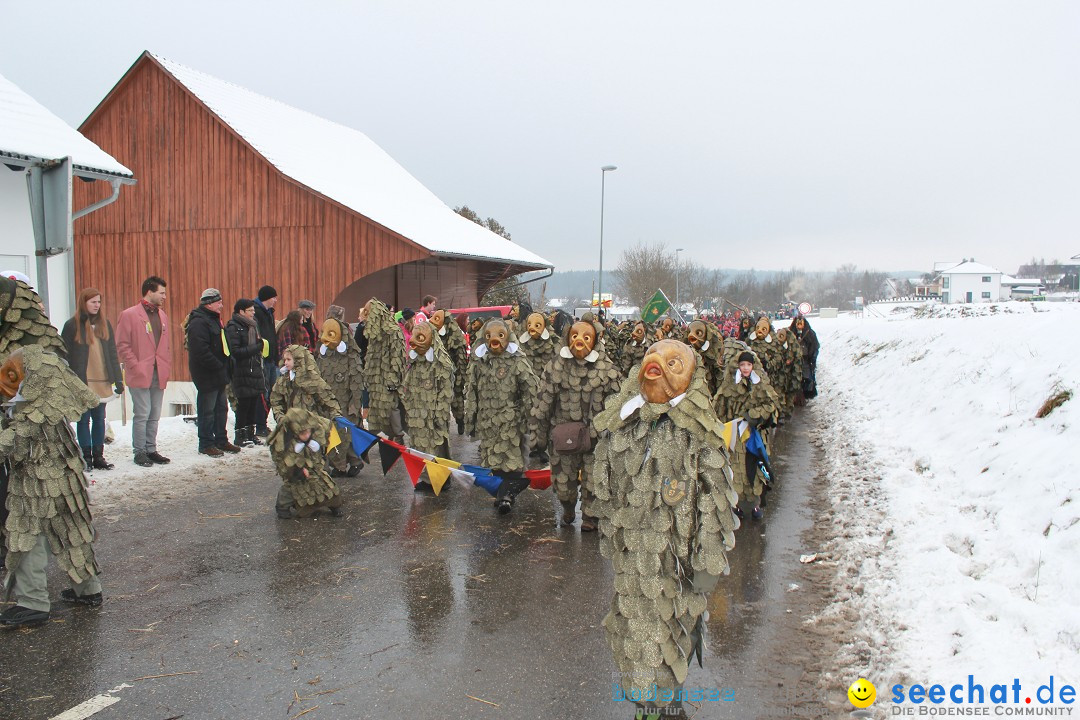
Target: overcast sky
{"points": [[752, 134]]}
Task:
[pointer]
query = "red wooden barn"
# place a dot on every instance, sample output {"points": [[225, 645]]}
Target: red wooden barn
{"points": [[236, 190]]}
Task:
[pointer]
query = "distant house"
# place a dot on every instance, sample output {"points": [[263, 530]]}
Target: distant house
{"points": [[970, 282]]}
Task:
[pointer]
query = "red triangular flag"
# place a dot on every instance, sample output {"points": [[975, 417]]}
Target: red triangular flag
{"points": [[539, 479], [414, 465]]}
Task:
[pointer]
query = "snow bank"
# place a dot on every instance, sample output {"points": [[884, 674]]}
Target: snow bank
{"points": [[955, 509], [188, 473]]}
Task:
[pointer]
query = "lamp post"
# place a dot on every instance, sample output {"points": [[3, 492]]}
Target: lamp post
{"points": [[600, 282], [677, 308]]}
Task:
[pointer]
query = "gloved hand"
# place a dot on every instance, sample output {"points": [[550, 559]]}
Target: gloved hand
{"points": [[266, 348], [118, 388]]}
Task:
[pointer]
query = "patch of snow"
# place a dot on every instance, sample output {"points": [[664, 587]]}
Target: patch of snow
{"points": [[956, 512]]}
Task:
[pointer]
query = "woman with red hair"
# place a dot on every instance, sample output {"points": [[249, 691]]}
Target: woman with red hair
{"points": [[91, 349]]}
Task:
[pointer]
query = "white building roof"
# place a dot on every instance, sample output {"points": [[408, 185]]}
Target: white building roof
{"points": [[346, 166], [28, 131], [971, 268], [1010, 280]]}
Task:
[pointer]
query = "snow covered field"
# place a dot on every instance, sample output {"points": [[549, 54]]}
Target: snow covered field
{"points": [[956, 510]]}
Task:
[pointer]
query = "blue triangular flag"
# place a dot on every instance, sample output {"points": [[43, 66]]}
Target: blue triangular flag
{"points": [[755, 446]]}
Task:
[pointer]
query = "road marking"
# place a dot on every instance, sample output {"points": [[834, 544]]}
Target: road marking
{"points": [[92, 706]]}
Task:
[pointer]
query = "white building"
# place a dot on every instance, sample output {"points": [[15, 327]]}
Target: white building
{"points": [[41, 155], [1021, 288], [970, 282]]}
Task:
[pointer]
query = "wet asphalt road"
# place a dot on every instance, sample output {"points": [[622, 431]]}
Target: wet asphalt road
{"points": [[410, 606]]}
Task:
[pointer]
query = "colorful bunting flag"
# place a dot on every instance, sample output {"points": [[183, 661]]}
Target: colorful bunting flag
{"points": [[728, 434], [511, 484], [414, 465], [389, 455], [539, 479], [437, 474], [463, 478], [448, 462], [334, 440]]}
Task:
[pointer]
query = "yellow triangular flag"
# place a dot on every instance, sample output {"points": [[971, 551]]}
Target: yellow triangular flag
{"points": [[335, 439], [448, 462], [437, 474], [727, 433]]}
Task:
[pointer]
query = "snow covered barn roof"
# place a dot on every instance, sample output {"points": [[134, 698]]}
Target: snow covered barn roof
{"points": [[30, 133], [346, 166], [971, 268]]}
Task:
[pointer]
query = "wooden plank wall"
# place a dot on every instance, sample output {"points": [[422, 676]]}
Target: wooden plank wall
{"points": [[208, 211]]}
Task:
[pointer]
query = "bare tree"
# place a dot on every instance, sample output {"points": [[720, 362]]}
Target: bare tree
{"points": [[642, 269]]}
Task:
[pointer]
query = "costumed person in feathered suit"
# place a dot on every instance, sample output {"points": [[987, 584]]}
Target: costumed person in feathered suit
{"points": [[789, 383], [22, 322], [383, 364], [339, 362], [633, 350], [298, 448], [745, 393], [664, 498], [572, 392], [538, 342], [426, 391], [709, 345], [763, 342], [453, 339], [49, 508], [501, 390]]}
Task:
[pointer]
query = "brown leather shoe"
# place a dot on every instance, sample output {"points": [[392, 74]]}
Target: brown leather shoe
{"points": [[229, 447], [211, 451]]}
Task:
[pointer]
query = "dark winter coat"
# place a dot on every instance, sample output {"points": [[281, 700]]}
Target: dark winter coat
{"points": [[207, 363], [810, 344], [78, 352], [247, 372], [264, 318], [361, 340]]}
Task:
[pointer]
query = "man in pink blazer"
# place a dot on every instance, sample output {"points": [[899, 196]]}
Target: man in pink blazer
{"points": [[142, 342]]}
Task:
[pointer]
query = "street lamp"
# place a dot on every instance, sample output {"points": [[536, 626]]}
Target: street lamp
{"points": [[677, 308], [600, 281]]}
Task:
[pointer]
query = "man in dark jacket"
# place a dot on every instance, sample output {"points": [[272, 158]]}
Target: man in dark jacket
{"points": [[264, 318], [809, 340], [209, 367]]}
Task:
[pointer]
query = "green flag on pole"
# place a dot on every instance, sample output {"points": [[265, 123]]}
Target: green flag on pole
{"points": [[656, 308]]}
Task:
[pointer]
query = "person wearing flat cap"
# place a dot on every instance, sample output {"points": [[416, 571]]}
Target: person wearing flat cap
{"points": [[307, 323], [208, 363]]}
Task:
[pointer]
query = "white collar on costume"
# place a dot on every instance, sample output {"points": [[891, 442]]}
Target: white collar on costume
{"points": [[754, 378], [483, 350], [312, 444], [591, 357], [429, 355], [705, 346], [639, 401]]}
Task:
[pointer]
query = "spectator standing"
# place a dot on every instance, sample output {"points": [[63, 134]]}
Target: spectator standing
{"points": [[291, 332], [307, 311], [144, 347], [427, 307], [246, 350], [91, 350], [209, 369], [265, 302]]}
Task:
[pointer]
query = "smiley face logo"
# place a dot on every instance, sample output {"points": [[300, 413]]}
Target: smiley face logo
{"points": [[862, 693]]}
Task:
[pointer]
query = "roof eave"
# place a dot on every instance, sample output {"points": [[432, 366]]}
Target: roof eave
{"points": [[78, 170], [529, 266]]}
